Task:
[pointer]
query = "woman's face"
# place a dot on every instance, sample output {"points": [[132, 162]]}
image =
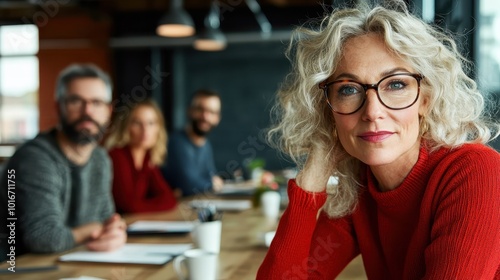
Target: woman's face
{"points": [[375, 134], [143, 128]]}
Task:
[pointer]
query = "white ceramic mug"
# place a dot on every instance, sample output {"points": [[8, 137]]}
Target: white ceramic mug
{"points": [[270, 203], [200, 265], [206, 236]]}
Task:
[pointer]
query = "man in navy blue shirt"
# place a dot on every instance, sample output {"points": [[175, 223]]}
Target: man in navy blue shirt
{"points": [[190, 163]]}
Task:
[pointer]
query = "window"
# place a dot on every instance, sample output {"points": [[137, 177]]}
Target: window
{"points": [[19, 82], [488, 46]]}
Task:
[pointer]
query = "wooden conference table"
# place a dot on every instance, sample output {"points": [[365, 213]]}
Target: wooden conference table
{"points": [[242, 251]]}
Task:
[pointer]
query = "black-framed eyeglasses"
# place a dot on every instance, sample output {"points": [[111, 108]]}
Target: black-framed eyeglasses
{"points": [[397, 91], [76, 103]]}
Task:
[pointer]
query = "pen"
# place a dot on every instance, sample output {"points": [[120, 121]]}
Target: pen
{"points": [[208, 214]]}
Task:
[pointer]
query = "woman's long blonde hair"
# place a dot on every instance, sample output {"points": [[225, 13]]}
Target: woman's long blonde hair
{"points": [[120, 136], [303, 119]]}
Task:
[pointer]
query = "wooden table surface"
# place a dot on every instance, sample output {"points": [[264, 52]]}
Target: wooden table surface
{"points": [[242, 251]]}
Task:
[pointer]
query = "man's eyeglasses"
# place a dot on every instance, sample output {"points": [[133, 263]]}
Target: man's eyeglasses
{"points": [[75, 103], [201, 109], [396, 92]]}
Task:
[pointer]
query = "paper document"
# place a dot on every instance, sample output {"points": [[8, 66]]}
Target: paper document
{"points": [[158, 227], [131, 253], [247, 187], [223, 205], [83, 278]]}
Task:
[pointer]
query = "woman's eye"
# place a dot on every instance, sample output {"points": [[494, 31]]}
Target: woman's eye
{"points": [[348, 90], [396, 85]]}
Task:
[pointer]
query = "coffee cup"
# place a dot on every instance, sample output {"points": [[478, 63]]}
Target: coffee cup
{"points": [[207, 235], [199, 265], [270, 203]]}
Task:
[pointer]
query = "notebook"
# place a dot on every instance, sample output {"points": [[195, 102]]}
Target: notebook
{"points": [[156, 254]]}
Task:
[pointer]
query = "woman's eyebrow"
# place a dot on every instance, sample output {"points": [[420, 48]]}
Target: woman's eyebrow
{"points": [[383, 74]]}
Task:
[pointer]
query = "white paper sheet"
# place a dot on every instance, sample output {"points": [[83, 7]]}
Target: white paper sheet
{"points": [[246, 187], [83, 278], [131, 253], [161, 226], [223, 205]]}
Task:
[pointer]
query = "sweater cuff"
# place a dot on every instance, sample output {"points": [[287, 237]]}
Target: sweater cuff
{"points": [[301, 198]]}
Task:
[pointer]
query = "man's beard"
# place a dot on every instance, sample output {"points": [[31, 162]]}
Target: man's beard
{"points": [[83, 136], [197, 130]]}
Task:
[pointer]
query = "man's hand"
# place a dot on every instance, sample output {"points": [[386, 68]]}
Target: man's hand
{"points": [[217, 183], [110, 237]]}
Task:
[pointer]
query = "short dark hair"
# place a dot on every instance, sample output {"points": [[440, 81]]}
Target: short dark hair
{"points": [[204, 93]]}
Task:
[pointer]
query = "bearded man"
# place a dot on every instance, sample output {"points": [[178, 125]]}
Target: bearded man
{"points": [[190, 163], [62, 177]]}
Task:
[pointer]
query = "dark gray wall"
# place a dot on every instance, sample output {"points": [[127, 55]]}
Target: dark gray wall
{"points": [[247, 78]]}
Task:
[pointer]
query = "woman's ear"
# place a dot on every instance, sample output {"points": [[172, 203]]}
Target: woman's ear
{"points": [[424, 104]]}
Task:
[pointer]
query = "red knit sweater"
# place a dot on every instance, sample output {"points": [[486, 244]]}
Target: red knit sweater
{"points": [[139, 190], [442, 222]]}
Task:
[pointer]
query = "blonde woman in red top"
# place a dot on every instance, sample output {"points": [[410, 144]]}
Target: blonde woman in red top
{"points": [[380, 99], [137, 147]]}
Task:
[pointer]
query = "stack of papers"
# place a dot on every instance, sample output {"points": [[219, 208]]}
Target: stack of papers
{"points": [[222, 205], [157, 254], [241, 188], [160, 227]]}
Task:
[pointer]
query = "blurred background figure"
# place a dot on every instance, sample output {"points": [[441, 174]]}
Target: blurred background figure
{"points": [[63, 177], [190, 163], [137, 147]]}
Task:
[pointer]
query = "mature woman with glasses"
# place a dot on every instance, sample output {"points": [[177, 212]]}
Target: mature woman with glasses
{"points": [[380, 99], [138, 144]]}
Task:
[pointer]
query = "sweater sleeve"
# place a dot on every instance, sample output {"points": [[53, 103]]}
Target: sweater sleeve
{"points": [[288, 253], [134, 194], [333, 246], [41, 215], [465, 235]]}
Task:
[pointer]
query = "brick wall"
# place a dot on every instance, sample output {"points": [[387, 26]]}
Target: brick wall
{"points": [[65, 40]]}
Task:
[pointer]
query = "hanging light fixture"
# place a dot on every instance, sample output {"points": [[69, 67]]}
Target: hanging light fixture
{"points": [[176, 22], [212, 38], [265, 25]]}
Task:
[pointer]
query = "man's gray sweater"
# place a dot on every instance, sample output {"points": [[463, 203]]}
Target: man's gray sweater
{"points": [[53, 195]]}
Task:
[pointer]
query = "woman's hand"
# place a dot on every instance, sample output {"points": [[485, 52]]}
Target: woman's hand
{"points": [[316, 172]]}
